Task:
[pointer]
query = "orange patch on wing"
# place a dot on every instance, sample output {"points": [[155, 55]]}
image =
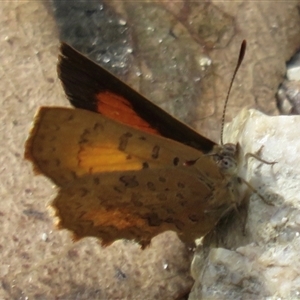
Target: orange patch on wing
{"points": [[118, 108], [118, 218], [106, 158]]}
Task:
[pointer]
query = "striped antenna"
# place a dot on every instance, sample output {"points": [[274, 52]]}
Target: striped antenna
{"points": [[241, 57]]}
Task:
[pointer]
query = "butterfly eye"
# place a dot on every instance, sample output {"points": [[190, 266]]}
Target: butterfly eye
{"points": [[227, 164]]}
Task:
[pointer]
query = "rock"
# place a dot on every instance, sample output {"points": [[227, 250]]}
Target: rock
{"points": [[263, 262]]}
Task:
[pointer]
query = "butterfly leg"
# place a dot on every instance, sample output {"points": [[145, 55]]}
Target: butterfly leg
{"points": [[256, 155], [254, 190]]}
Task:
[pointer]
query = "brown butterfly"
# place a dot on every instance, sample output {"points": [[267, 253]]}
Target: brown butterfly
{"points": [[124, 167]]}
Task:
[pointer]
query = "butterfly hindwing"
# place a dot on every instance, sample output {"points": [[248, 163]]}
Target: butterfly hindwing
{"points": [[89, 86], [138, 205]]}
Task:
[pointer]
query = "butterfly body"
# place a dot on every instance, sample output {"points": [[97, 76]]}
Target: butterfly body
{"points": [[128, 177]]}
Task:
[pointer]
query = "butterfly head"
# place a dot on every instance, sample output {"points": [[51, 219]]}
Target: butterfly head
{"points": [[226, 157]]}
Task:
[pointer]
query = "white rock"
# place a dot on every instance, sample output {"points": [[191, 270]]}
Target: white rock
{"points": [[265, 262], [293, 73]]}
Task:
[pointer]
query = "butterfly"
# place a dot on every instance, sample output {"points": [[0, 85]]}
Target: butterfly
{"points": [[124, 168]]}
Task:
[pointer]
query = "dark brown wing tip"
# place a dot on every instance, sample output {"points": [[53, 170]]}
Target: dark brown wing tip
{"points": [[79, 77]]}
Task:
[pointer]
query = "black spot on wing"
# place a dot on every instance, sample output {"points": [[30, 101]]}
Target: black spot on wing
{"points": [[193, 217], [153, 219], [175, 161], [145, 165], [179, 224], [162, 179], [151, 186], [155, 152], [123, 140], [129, 181]]}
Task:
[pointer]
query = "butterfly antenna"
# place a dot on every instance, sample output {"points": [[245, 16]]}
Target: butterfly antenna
{"points": [[241, 57]]}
